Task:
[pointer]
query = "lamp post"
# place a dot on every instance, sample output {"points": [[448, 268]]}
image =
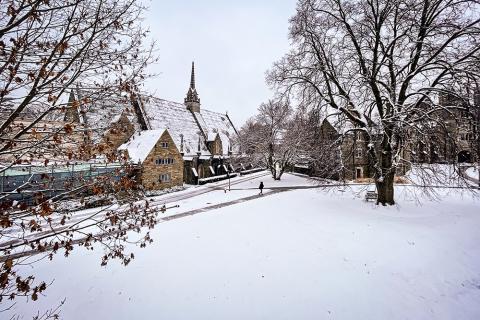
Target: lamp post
{"points": [[228, 176]]}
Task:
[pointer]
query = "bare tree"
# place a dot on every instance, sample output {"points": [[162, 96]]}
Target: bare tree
{"points": [[272, 138], [381, 66], [48, 49]]}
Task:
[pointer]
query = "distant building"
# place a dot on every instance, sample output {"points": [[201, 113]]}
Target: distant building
{"points": [[448, 136]]}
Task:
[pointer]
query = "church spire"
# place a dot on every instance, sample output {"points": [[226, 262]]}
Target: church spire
{"points": [[192, 77], [192, 101]]}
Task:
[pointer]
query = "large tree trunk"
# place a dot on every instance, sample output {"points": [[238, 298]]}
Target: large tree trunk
{"points": [[386, 174], [385, 189]]}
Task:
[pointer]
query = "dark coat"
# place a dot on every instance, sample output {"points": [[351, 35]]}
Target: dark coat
{"points": [[260, 186]]}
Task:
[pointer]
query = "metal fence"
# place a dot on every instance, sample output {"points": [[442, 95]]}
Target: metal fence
{"points": [[22, 182]]}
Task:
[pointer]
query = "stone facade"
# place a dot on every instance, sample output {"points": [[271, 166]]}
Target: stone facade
{"points": [[118, 134], [345, 157], [215, 146], [355, 157], [153, 169], [449, 137]]}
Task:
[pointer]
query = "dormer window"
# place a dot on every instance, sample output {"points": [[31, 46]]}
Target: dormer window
{"points": [[164, 145]]}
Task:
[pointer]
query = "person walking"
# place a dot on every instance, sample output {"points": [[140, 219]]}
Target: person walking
{"points": [[261, 187]]}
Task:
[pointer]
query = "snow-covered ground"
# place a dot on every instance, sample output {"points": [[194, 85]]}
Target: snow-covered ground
{"points": [[436, 175], [472, 172], [299, 254]]}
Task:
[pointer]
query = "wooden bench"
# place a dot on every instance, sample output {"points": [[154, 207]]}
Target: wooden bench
{"points": [[370, 195]]}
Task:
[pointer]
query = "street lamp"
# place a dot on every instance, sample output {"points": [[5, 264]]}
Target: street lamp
{"points": [[228, 176]]}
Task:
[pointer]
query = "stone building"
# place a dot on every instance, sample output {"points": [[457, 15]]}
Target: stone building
{"points": [[106, 121], [449, 136], [204, 139], [160, 160], [34, 137], [344, 153]]}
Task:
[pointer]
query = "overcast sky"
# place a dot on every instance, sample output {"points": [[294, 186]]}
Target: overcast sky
{"points": [[232, 43]]}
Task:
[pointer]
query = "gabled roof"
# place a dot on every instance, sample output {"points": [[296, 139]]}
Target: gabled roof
{"points": [[179, 121], [195, 127], [213, 123], [101, 111], [141, 143]]}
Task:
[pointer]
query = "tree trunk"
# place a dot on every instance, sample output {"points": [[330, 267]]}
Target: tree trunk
{"points": [[385, 189], [271, 163], [386, 173]]}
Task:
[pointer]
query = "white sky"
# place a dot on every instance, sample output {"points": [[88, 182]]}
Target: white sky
{"points": [[232, 43]]}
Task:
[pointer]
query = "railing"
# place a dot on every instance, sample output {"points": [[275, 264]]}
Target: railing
{"points": [[216, 178], [21, 183], [244, 172]]}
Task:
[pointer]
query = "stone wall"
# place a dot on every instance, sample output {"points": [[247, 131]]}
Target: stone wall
{"points": [[151, 171], [215, 146], [355, 157], [118, 134]]}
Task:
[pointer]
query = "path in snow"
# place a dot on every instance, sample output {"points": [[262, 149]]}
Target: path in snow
{"points": [[86, 215]]}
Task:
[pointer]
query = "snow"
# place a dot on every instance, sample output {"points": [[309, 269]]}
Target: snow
{"points": [[472, 172], [299, 254], [141, 143], [99, 114], [180, 121], [436, 174]]}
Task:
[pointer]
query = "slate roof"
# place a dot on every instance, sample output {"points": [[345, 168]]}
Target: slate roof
{"points": [[103, 111], [196, 127], [189, 130]]}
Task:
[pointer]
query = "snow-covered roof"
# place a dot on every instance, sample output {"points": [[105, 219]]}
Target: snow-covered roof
{"points": [[214, 123], [102, 111], [195, 127], [192, 130], [141, 143]]}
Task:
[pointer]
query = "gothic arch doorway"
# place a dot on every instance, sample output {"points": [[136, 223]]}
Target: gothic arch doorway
{"points": [[464, 156]]}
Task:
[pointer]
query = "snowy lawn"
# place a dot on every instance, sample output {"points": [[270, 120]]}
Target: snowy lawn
{"points": [[472, 172], [301, 254]]}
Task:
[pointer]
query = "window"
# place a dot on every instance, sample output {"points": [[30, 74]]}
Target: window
{"points": [[165, 177], [463, 136], [164, 145], [164, 161], [358, 152]]}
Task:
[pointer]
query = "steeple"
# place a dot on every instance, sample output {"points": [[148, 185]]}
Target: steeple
{"points": [[192, 101], [71, 112], [192, 76]]}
